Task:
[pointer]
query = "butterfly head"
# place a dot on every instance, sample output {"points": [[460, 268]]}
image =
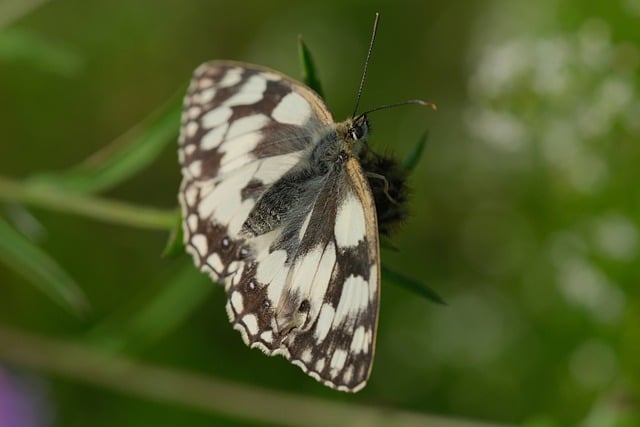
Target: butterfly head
{"points": [[358, 128]]}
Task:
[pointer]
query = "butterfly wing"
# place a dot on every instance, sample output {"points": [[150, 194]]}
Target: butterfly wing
{"points": [[243, 127], [317, 305], [307, 289]]}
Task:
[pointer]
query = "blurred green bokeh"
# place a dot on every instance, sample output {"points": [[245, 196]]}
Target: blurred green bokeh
{"points": [[525, 207]]}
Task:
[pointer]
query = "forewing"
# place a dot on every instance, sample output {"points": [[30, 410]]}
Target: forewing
{"points": [[243, 127], [316, 305]]}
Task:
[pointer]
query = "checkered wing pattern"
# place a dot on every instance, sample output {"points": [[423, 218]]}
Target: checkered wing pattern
{"points": [[294, 242]]}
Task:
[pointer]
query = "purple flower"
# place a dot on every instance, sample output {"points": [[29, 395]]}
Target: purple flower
{"points": [[21, 402]]}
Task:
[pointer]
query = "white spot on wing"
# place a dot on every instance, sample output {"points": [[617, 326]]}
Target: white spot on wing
{"points": [[192, 222], [325, 320], [373, 281], [267, 336], [205, 83], [194, 112], [251, 322], [358, 341], [245, 125], [322, 278], [215, 262], [237, 302], [337, 360], [238, 152], [354, 298], [348, 374], [225, 199], [207, 95], [195, 168], [213, 138], [216, 117], [232, 77], [304, 270], [199, 241], [306, 355], [367, 341], [320, 364], [274, 290], [293, 109], [250, 92], [191, 195], [349, 228], [190, 129]]}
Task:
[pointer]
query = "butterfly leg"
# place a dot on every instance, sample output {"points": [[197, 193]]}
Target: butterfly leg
{"points": [[386, 185]]}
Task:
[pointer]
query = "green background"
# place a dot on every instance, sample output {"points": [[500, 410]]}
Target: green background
{"points": [[524, 209]]}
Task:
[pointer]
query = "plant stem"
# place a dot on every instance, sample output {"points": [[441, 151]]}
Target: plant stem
{"points": [[11, 11], [92, 207], [82, 363]]}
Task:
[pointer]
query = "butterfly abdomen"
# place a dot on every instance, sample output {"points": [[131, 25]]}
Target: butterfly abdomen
{"points": [[391, 205]]}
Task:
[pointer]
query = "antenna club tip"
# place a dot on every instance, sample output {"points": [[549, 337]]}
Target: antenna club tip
{"points": [[431, 105]]}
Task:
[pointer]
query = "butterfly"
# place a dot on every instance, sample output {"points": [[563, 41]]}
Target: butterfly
{"points": [[277, 206]]}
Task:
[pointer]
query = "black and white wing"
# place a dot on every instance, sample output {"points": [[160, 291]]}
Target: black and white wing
{"points": [[311, 293], [307, 287], [242, 128]]}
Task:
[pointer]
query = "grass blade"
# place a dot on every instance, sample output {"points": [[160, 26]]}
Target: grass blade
{"points": [[412, 285], [124, 157], [158, 316], [89, 206], [25, 47], [171, 386], [308, 68], [28, 260], [411, 161], [13, 10], [175, 245]]}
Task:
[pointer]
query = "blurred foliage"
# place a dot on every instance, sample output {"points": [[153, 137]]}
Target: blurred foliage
{"points": [[27, 259], [525, 210]]}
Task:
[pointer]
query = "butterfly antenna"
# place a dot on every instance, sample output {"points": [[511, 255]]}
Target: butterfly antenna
{"points": [[366, 63], [398, 104]]}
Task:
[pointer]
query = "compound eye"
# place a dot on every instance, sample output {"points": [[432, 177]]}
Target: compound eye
{"points": [[356, 133]]}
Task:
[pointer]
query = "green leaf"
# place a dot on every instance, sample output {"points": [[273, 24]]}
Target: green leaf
{"points": [[175, 244], [155, 316], [308, 69], [18, 46], [25, 258], [101, 209], [411, 285], [124, 157], [411, 161]]}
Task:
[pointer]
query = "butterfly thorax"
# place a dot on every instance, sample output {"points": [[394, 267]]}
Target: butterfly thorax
{"points": [[338, 142], [332, 147]]}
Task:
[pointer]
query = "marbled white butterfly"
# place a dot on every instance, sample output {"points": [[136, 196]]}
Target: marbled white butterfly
{"points": [[277, 207]]}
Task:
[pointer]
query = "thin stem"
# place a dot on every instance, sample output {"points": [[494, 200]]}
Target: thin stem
{"points": [[93, 207], [82, 363], [11, 11]]}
